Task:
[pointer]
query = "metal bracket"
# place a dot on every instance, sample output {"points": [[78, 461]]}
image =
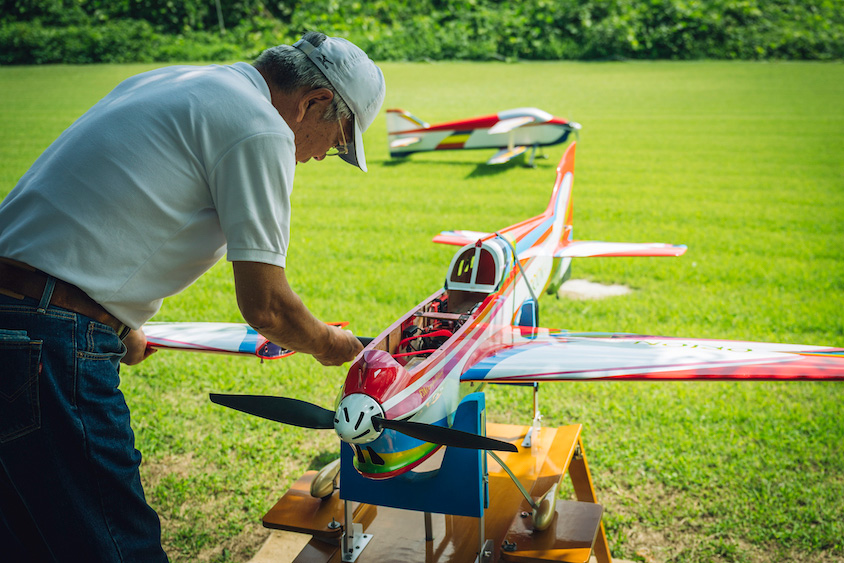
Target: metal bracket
{"points": [[536, 425], [354, 540], [533, 431], [352, 549], [487, 553]]}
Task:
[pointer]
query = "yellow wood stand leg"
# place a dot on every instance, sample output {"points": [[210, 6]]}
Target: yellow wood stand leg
{"points": [[578, 530], [581, 480]]}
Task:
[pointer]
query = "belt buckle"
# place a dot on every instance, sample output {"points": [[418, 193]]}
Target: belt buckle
{"points": [[123, 331]]}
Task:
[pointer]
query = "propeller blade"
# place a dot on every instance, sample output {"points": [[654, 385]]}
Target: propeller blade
{"points": [[443, 435], [279, 409]]}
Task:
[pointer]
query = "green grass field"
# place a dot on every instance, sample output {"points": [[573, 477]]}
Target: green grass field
{"points": [[743, 162]]}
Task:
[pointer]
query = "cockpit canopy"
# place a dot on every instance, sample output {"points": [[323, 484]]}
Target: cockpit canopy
{"points": [[479, 267]]}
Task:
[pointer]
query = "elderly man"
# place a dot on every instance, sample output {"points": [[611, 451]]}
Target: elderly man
{"points": [[139, 197]]}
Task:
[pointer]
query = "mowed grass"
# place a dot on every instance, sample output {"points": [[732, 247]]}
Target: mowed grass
{"points": [[743, 162]]}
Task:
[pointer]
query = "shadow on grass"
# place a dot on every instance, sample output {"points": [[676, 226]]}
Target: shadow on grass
{"points": [[481, 169]]}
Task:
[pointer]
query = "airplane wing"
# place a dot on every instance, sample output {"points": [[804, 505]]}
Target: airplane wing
{"points": [[593, 248], [459, 238], [505, 155], [541, 355], [404, 142], [507, 125], [223, 338]]}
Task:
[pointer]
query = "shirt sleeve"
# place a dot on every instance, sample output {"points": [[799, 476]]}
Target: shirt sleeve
{"points": [[250, 187]]}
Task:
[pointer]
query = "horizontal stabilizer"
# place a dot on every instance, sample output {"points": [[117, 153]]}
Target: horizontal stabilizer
{"points": [[541, 355], [459, 238], [592, 248], [507, 125], [506, 155]]}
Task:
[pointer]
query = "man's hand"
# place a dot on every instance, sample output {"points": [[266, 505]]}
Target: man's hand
{"points": [[343, 347], [270, 306], [137, 349]]}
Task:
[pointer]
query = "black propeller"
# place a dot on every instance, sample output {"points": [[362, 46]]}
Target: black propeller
{"points": [[443, 435], [279, 409], [308, 415]]}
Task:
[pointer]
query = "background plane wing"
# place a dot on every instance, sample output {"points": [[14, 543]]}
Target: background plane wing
{"points": [[540, 355], [505, 155], [223, 338], [507, 125], [459, 238], [594, 248]]}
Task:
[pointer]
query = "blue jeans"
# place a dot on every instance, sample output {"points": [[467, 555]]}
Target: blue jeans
{"points": [[70, 489]]}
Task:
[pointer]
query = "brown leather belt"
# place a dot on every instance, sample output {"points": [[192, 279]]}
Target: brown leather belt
{"points": [[19, 281]]}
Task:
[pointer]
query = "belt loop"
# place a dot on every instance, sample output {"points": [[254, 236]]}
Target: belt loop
{"points": [[47, 295]]}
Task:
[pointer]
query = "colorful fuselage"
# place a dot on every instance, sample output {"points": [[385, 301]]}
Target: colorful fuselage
{"points": [[430, 390]]}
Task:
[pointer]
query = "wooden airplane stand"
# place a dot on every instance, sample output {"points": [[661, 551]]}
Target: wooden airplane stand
{"points": [[406, 536]]}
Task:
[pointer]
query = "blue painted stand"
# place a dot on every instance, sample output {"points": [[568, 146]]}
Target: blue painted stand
{"points": [[458, 487]]}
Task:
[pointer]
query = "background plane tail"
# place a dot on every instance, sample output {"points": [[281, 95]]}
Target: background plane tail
{"points": [[399, 121]]}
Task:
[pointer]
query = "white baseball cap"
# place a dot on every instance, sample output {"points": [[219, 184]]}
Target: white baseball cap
{"points": [[357, 80]]}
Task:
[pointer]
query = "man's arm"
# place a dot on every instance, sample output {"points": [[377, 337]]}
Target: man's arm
{"points": [[270, 306]]}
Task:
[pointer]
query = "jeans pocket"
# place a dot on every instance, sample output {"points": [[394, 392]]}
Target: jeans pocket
{"points": [[20, 408]]}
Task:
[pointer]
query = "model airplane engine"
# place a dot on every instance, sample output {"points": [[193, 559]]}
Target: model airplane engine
{"points": [[353, 421], [376, 376]]}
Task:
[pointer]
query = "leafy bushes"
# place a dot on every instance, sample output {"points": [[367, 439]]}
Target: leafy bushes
{"points": [[79, 31], [32, 42], [589, 29]]}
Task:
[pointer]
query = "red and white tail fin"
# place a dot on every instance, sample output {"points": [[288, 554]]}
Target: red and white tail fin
{"points": [[560, 206], [399, 121]]}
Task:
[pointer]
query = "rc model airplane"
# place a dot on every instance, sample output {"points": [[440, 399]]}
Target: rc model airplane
{"points": [[511, 132], [397, 405]]}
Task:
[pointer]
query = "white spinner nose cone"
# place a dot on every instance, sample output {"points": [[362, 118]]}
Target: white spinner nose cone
{"points": [[353, 419]]}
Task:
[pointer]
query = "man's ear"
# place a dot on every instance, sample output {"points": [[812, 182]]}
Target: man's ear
{"points": [[316, 99]]}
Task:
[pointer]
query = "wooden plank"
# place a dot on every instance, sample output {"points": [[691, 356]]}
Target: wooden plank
{"points": [[398, 536], [544, 464], [298, 511], [318, 551], [569, 538]]}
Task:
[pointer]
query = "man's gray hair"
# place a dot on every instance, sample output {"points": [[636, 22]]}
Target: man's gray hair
{"points": [[289, 69]]}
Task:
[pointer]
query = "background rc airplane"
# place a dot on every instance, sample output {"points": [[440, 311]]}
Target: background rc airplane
{"points": [[511, 131], [398, 403]]}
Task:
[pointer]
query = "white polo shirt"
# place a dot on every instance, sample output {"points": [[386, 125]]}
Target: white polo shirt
{"points": [[154, 184]]}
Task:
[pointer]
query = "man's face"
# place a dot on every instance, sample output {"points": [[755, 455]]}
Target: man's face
{"points": [[317, 137]]}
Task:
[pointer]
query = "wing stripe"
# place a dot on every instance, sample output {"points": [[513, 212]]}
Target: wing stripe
{"points": [[547, 357]]}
